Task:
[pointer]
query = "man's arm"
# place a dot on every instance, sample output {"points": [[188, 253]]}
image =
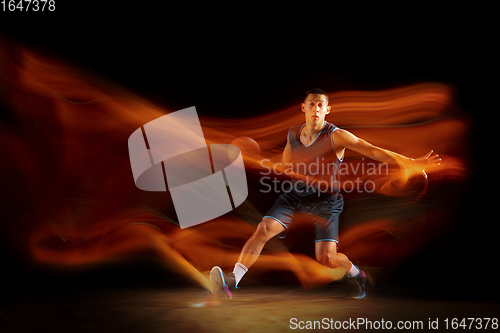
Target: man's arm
{"points": [[346, 140], [287, 154]]}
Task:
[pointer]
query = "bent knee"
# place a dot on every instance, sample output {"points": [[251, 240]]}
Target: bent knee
{"points": [[268, 229], [263, 231], [329, 260]]}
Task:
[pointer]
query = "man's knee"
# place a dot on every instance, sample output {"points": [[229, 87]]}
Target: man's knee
{"points": [[263, 231], [268, 229], [329, 260]]}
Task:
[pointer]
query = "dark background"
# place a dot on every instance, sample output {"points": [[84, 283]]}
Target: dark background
{"points": [[238, 63]]}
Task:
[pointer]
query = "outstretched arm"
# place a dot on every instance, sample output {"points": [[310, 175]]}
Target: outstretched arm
{"points": [[346, 140]]}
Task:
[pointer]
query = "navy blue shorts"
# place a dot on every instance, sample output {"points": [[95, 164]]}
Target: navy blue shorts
{"points": [[324, 211]]}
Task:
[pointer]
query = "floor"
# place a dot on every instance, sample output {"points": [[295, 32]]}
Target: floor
{"points": [[267, 309]]}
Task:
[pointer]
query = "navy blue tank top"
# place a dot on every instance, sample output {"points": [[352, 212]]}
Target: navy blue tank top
{"points": [[315, 166]]}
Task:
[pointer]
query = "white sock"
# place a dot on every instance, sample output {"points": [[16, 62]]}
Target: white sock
{"points": [[353, 271], [239, 270]]}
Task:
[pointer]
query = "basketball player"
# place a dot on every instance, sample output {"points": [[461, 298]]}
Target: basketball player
{"points": [[320, 142]]}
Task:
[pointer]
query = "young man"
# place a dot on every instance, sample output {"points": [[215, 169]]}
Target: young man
{"points": [[314, 151]]}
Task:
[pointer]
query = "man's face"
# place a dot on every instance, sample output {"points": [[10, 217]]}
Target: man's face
{"points": [[316, 108]]}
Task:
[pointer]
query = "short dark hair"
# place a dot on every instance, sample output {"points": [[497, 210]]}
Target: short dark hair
{"points": [[317, 91]]}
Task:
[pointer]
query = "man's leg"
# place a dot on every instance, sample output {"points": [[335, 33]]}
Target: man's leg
{"points": [[267, 229], [326, 254]]}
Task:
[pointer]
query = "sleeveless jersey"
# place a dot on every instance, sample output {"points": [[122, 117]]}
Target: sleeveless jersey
{"points": [[316, 166]]}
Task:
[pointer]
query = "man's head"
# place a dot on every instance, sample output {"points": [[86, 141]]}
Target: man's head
{"points": [[316, 91], [316, 106]]}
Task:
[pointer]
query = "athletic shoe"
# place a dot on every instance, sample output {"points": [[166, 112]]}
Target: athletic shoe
{"points": [[357, 285], [224, 283]]}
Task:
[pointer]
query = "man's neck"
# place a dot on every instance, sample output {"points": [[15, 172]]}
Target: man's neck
{"points": [[313, 128], [310, 132]]}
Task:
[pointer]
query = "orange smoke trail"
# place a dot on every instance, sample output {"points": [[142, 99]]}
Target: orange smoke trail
{"points": [[70, 148]]}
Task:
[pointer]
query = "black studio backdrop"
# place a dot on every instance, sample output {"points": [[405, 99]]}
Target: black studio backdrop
{"points": [[238, 71]]}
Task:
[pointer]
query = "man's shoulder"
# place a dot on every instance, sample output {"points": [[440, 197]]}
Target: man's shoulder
{"points": [[297, 126], [295, 129], [329, 127], [335, 130], [339, 131], [342, 137]]}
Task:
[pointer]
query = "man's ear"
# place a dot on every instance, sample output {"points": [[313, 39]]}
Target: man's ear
{"points": [[302, 106], [328, 109]]}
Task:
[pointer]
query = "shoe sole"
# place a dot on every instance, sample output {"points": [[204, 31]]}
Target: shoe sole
{"points": [[217, 278], [360, 296], [362, 286]]}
